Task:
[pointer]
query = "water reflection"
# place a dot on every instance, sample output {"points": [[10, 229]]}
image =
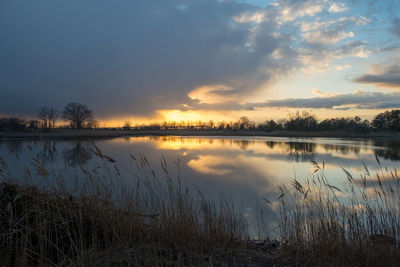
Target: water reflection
{"points": [[244, 169], [301, 151], [48, 153], [217, 154], [297, 145], [297, 150], [391, 151], [77, 155], [266, 162]]}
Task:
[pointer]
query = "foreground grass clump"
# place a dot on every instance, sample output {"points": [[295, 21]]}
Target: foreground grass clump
{"points": [[103, 216], [359, 225], [43, 228]]}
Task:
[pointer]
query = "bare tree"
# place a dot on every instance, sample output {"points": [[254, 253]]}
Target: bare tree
{"points": [[48, 115], [42, 115], [77, 114], [52, 115], [92, 124]]}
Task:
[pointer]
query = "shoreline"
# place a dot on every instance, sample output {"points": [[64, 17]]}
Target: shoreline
{"points": [[106, 133]]}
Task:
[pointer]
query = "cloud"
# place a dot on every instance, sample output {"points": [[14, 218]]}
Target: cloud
{"points": [[319, 93], [330, 31], [323, 100], [131, 57], [326, 36], [342, 23], [251, 17], [213, 94], [138, 57], [382, 76], [356, 100], [292, 9], [337, 7], [324, 42], [342, 67], [318, 60]]}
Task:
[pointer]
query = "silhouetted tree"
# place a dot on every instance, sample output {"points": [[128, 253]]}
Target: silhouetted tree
{"points": [[244, 122], [211, 124], [388, 120], [92, 124], [221, 125], [48, 115], [52, 114], [127, 125], [271, 125], [303, 121], [42, 115], [77, 114]]}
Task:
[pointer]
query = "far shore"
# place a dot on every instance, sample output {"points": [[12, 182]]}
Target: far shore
{"points": [[112, 133]]}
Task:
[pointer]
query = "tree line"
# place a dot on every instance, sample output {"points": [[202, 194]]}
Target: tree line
{"points": [[77, 116], [300, 121]]}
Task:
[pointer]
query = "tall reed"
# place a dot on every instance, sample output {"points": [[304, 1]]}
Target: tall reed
{"points": [[354, 225], [108, 215]]}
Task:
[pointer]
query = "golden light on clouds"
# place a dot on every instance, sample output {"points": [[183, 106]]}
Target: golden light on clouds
{"points": [[212, 94]]}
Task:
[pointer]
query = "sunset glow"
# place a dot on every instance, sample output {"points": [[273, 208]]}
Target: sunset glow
{"points": [[200, 132], [260, 59], [258, 116]]}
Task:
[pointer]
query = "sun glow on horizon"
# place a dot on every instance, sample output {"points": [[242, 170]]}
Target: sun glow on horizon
{"points": [[258, 115]]}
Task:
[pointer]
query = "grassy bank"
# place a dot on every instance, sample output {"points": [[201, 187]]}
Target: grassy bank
{"points": [[108, 215], [50, 216], [107, 133], [49, 229]]}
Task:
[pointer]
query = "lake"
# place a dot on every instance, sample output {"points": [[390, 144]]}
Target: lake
{"points": [[241, 169]]}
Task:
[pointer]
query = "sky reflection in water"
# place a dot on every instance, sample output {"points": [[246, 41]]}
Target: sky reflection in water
{"points": [[241, 169]]}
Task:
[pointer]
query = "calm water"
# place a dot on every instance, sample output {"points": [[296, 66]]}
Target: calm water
{"points": [[242, 169]]}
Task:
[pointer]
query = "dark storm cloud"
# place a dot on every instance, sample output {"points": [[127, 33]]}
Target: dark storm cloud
{"points": [[124, 57]]}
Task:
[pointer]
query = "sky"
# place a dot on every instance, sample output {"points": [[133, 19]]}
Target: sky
{"points": [[144, 61]]}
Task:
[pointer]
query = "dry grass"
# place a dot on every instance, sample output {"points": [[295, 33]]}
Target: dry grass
{"points": [[112, 215], [355, 226], [99, 217]]}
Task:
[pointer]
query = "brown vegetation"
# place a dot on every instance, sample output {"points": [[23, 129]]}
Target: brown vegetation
{"points": [[359, 225], [94, 218], [99, 217]]}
